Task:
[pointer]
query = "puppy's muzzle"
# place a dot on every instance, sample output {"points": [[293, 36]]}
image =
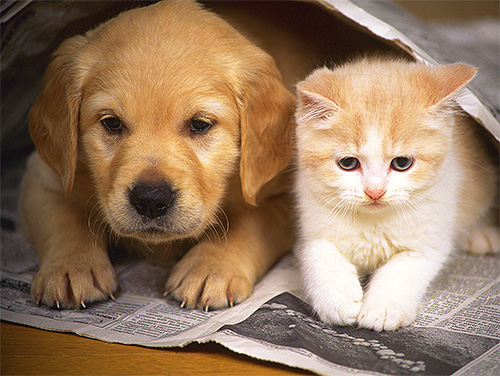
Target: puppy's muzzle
{"points": [[152, 200]]}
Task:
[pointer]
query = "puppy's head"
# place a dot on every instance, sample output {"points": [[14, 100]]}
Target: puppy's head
{"points": [[163, 105]]}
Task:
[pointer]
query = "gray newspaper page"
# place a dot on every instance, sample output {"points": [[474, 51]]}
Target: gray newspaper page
{"points": [[458, 329]]}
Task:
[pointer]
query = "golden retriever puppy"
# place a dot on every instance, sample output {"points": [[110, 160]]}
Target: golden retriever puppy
{"points": [[161, 129]]}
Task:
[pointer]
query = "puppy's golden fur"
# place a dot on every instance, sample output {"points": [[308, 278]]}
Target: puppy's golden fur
{"points": [[152, 131]]}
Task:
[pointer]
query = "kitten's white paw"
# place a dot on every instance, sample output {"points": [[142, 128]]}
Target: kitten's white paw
{"points": [[484, 240], [340, 301], [381, 312]]}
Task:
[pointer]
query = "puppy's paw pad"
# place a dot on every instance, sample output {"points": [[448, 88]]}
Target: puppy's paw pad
{"points": [[239, 289], [73, 283], [484, 240], [222, 290], [205, 282]]}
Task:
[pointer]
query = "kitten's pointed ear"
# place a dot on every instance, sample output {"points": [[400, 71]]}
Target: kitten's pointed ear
{"points": [[314, 106], [449, 79]]}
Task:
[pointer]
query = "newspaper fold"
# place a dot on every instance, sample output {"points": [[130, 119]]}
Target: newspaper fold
{"points": [[458, 331]]}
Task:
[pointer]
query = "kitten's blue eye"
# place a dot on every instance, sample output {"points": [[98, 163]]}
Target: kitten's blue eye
{"points": [[348, 163], [401, 163]]}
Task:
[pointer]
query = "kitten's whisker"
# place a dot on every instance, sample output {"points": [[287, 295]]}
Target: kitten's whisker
{"points": [[408, 209], [342, 212], [475, 164], [416, 210], [403, 214]]}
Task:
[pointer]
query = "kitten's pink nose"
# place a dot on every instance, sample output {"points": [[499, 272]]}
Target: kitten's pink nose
{"points": [[375, 193]]}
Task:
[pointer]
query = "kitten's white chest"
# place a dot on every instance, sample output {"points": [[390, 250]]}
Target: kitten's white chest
{"points": [[367, 248], [366, 241]]}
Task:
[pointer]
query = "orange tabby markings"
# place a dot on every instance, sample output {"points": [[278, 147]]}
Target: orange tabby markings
{"points": [[390, 177]]}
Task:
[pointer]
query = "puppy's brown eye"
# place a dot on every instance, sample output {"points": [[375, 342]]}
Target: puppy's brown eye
{"points": [[112, 124], [200, 126]]}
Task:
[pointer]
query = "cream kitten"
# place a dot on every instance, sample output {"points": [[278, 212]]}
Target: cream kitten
{"points": [[389, 179]]}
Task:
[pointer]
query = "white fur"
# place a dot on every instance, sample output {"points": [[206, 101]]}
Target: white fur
{"points": [[403, 248], [374, 220]]}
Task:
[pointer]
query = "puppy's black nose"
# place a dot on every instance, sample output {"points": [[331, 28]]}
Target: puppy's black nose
{"points": [[152, 200]]}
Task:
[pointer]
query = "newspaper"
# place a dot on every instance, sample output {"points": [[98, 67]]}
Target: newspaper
{"points": [[424, 43], [457, 332]]}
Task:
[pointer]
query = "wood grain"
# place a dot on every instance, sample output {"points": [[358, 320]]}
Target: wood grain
{"points": [[30, 351]]}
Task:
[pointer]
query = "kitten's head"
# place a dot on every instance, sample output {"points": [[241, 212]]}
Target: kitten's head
{"points": [[375, 133]]}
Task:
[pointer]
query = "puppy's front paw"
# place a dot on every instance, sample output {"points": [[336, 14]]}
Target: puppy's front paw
{"points": [[73, 280], [385, 312], [338, 301], [205, 278]]}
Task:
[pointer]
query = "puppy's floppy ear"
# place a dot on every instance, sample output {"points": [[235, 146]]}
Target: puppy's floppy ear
{"points": [[53, 118], [267, 125]]}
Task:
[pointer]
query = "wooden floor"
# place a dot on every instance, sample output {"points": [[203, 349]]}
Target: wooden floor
{"points": [[29, 351]]}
